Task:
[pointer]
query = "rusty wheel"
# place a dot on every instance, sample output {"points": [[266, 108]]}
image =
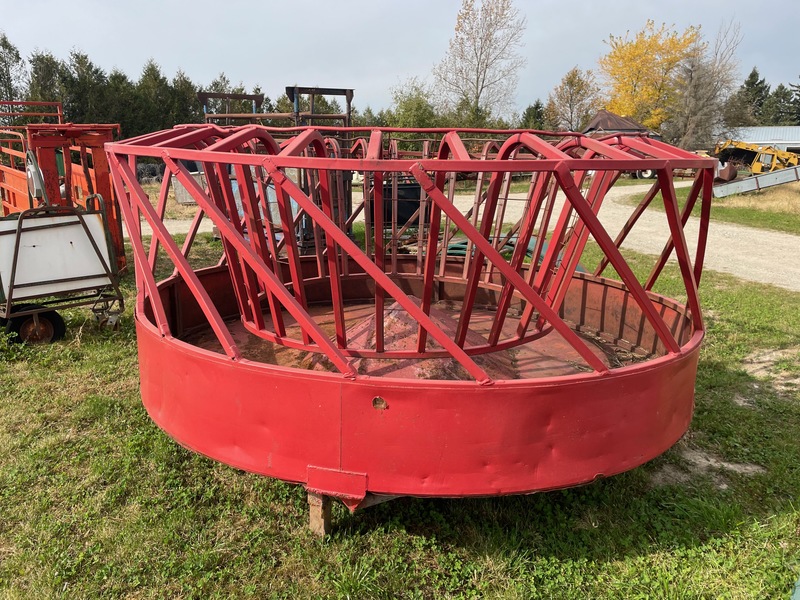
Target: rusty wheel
{"points": [[40, 328]]}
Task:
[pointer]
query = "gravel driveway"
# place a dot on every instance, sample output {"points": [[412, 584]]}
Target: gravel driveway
{"points": [[745, 252]]}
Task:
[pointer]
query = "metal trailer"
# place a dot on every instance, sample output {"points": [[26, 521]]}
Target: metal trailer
{"points": [[61, 241], [389, 367], [756, 183], [56, 257]]}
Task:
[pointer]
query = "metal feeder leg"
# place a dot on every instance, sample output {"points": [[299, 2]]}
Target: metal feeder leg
{"points": [[319, 514]]}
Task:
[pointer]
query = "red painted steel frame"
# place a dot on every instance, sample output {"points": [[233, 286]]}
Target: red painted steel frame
{"points": [[24, 110], [335, 421], [85, 169]]}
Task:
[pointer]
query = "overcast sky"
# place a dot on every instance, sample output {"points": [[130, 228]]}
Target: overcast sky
{"points": [[369, 45]]}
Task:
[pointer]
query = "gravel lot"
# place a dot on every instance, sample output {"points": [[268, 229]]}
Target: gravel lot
{"points": [[745, 252]]}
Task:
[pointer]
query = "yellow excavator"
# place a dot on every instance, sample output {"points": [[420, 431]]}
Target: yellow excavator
{"points": [[759, 159]]}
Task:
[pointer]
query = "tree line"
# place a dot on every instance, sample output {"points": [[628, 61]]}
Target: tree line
{"points": [[153, 102], [678, 84], [91, 95]]}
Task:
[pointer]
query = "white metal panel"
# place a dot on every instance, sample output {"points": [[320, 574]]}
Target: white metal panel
{"points": [[47, 255], [757, 182]]}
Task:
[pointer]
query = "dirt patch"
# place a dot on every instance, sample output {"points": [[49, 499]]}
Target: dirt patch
{"points": [[697, 463], [782, 367], [703, 462], [740, 400], [670, 475]]}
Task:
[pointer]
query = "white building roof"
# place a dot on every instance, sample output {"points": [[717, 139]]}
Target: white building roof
{"points": [[780, 137]]}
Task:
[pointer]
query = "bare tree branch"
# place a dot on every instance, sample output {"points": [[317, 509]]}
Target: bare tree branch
{"points": [[482, 62], [706, 80], [574, 101]]}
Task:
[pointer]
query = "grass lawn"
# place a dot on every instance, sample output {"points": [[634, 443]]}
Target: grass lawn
{"points": [[97, 502], [776, 208]]}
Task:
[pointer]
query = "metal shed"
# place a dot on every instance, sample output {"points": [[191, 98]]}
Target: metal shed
{"points": [[784, 137]]}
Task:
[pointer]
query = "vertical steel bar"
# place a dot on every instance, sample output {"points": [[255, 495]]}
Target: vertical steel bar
{"points": [[574, 249], [485, 247], [424, 212], [451, 184], [189, 277], [669, 245], [632, 220], [679, 241], [374, 152], [309, 327], [539, 255], [451, 144], [395, 208], [332, 252], [255, 230], [220, 189], [379, 276], [599, 233], [536, 196], [162, 207], [476, 260], [313, 187], [705, 216], [149, 288], [505, 190], [380, 258]]}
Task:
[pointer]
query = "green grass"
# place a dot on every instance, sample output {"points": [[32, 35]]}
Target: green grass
{"points": [[97, 502], [753, 217], [756, 213]]}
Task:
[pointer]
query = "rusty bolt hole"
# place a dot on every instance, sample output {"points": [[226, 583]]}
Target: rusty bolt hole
{"points": [[379, 403]]}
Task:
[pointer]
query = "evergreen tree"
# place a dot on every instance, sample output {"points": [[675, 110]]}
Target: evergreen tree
{"points": [[47, 77], [755, 91], [121, 106], [795, 89], [84, 90], [153, 99], [736, 111], [369, 118], [184, 107], [12, 70], [222, 85], [778, 108], [533, 116], [467, 114]]}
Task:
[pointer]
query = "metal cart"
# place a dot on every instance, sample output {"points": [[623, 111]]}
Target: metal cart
{"points": [[56, 257]]}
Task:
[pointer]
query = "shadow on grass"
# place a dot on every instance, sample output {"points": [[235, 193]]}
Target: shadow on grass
{"points": [[628, 514]]}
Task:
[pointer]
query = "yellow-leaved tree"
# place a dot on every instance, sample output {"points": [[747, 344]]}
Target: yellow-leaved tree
{"points": [[639, 73]]}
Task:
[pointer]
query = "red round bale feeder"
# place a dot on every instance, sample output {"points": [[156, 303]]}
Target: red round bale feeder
{"points": [[459, 348]]}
